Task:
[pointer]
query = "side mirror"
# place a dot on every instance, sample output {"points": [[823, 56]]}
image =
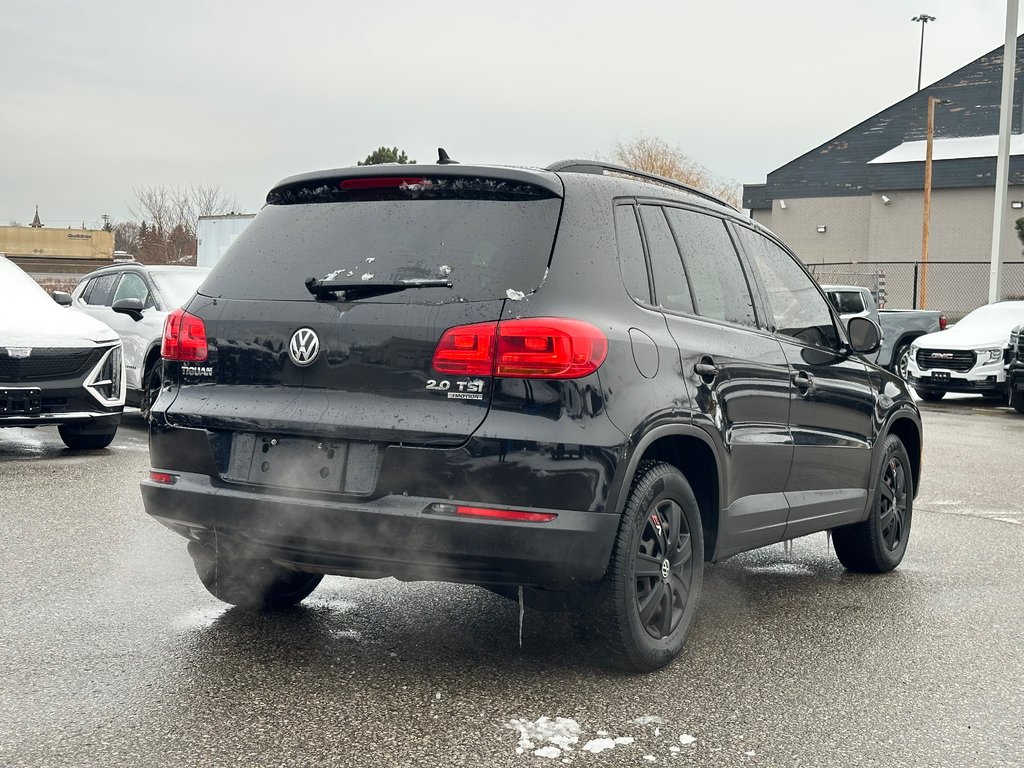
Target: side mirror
{"points": [[62, 297], [865, 335], [130, 307]]}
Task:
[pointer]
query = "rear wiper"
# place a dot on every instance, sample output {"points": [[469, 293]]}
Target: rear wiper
{"points": [[339, 290]]}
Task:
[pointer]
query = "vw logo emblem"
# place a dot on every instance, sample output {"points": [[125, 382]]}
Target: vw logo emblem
{"points": [[304, 347]]}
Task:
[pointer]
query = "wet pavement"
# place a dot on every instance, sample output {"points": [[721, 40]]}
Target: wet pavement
{"points": [[112, 653]]}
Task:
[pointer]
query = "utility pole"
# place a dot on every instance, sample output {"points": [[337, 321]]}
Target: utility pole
{"points": [[923, 19], [932, 101]]}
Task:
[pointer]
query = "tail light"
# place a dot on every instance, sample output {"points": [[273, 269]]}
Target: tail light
{"points": [[184, 337], [530, 348], [943, 322]]}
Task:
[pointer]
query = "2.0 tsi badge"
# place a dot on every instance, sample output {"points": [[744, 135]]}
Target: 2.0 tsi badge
{"points": [[304, 347]]}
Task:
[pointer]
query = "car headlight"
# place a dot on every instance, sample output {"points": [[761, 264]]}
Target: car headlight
{"points": [[989, 355]]}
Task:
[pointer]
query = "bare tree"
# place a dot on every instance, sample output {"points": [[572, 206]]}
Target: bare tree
{"points": [[169, 217], [654, 155]]}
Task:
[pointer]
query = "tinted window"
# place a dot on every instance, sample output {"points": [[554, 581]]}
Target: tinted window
{"points": [[132, 286], [798, 308], [846, 302], [720, 288], [631, 254], [670, 284], [490, 238], [99, 289]]}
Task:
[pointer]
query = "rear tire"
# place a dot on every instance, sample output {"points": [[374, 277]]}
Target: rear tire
{"points": [[82, 438], [878, 544], [250, 583], [637, 617], [929, 396]]}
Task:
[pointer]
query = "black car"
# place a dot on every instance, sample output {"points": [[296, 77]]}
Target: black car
{"points": [[1015, 369], [581, 381]]}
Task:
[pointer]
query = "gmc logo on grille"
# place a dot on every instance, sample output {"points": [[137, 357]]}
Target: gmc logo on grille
{"points": [[942, 355]]}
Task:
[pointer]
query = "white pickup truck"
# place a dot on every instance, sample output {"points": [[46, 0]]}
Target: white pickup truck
{"points": [[899, 326]]}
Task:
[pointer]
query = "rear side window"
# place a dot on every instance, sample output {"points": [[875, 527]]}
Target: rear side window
{"points": [[632, 264], [491, 238], [670, 282], [97, 293], [720, 288]]}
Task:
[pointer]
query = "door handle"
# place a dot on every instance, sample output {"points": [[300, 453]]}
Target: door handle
{"points": [[804, 382]]}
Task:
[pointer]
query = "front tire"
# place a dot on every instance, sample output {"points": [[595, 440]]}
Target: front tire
{"points": [[929, 395], [151, 387], [248, 582], [901, 361], [84, 438], [637, 617], [878, 544], [1016, 398]]}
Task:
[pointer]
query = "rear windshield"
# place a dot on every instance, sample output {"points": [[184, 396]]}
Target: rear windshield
{"points": [[487, 237], [178, 287]]}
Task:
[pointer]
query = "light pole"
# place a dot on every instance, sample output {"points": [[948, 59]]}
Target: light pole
{"points": [[923, 19]]}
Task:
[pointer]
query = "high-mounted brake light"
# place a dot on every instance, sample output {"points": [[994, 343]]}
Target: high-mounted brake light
{"points": [[184, 337], [383, 182], [943, 322], [537, 347]]}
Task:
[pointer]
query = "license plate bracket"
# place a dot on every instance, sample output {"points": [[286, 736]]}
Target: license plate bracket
{"points": [[942, 376], [288, 462], [21, 402]]}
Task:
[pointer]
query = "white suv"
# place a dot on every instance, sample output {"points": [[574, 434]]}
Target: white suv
{"points": [[134, 299], [968, 357]]}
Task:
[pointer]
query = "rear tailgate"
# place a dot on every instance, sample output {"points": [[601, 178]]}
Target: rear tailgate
{"points": [[371, 379]]}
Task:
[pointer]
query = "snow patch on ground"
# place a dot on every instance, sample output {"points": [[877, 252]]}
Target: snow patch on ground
{"points": [[558, 733], [781, 568], [686, 738], [367, 276], [649, 720], [600, 745]]}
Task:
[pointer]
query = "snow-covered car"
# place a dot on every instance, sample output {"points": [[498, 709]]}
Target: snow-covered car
{"points": [[968, 357], [134, 299], [57, 367]]}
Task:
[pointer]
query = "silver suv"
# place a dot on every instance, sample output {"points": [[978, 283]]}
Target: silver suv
{"points": [[134, 299]]}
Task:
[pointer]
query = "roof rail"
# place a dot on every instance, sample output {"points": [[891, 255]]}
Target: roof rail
{"points": [[600, 167]]}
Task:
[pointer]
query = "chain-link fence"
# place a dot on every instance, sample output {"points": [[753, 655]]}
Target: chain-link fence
{"points": [[953, 287]]}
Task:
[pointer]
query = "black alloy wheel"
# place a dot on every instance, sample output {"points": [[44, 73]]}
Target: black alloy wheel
{"points": [[878, 544], [662, 569], [638, 616], [892, 518]]}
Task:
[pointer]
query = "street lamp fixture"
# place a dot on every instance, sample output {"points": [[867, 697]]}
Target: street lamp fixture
{"points": [[922, 19]]}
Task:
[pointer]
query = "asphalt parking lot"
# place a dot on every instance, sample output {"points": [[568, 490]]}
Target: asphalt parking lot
{"points": [[113, 654]]}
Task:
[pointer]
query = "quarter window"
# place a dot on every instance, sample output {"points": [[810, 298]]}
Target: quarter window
{"points": [[631, 254], [720, 289]]}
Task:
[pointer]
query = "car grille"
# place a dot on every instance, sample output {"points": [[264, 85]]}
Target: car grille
{"points": [[958, 360], [46, 363]]}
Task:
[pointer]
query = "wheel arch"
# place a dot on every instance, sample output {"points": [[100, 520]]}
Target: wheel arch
{"points": [[909, 432], [152, 356], [693, 453]]}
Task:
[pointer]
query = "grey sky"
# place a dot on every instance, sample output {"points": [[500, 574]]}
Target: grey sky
{"points": [[101, 97]]}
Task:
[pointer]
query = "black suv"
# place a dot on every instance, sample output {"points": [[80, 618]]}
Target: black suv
{"points": [[582, 382]]}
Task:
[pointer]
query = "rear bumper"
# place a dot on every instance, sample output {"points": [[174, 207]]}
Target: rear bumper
{"points": [[394, 535]]}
